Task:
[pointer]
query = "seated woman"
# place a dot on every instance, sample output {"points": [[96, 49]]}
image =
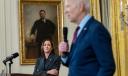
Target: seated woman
{"points": [[48, 63]]}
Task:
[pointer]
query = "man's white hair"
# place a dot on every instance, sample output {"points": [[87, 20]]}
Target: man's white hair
{"points": [[86, 3]]}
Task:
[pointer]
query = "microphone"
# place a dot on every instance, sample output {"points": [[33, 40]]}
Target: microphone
{"points": [[9, 58], [65, 32]]}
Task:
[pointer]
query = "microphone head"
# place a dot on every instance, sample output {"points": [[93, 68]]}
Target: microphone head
{"points": [[15, 55], [9, 58], [65, 32]]}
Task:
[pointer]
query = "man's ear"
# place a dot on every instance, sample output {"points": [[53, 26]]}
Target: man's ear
{"points": [[82, 7]]}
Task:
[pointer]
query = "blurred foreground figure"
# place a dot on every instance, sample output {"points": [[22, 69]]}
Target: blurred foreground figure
{"points": [[91, 50]]}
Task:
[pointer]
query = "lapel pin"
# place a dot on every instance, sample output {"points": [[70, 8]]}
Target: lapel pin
{"points": [[85, 29], [37, 69]]}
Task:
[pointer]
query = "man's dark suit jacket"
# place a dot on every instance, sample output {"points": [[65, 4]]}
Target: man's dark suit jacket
{"points": [[91, 54], [44, 30], [43, 65]]}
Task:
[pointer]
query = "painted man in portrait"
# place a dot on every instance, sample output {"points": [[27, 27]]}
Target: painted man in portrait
{"points": [[43, 28]]}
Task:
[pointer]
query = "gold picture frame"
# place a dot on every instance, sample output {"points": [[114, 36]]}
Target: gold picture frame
{"points": [[29, 12]]}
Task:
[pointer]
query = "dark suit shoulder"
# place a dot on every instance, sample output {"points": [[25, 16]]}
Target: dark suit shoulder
{"points": [[49, 21], [98, 28], [56, 56], [38, 20], [39, 58], [94, 24]]}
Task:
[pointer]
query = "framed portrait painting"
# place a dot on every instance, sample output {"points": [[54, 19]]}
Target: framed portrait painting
{"points": [[39, 20]]}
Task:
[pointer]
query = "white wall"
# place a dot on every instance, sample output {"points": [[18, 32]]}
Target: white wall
{"points": [[9, 36], [2, 33]]}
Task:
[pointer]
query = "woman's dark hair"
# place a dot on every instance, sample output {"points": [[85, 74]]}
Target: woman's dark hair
{"points": [[52, 45]]}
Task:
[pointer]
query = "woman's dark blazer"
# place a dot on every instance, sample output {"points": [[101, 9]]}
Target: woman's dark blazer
{"points": [[43, 65]]}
